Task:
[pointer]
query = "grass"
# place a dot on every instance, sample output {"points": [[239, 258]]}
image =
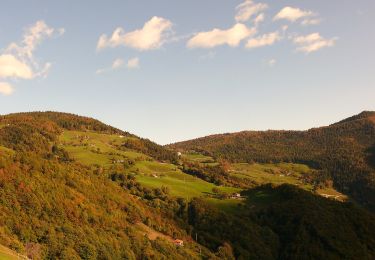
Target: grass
{"points": [[197, 157], [154, 174], [272, 173], [100, 149], [86, 156], [281, 173], [93, 148]]}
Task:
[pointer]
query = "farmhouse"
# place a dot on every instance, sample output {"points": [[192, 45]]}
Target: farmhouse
{"points": [[178, 242], [236, 196]]}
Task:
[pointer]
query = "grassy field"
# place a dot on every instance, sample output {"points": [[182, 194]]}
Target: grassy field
{"points": [[93, 148], [154, 174], [197, 157], [102, 149], [106, 151], [272, 173]]}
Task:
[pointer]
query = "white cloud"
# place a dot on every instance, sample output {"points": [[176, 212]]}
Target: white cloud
{"points": [[6, 89], [216, 37], [264, 40], [248, 9], [17, 60], [117, 63], [292, 14], [313, 42], [11, 67], [309, 21], [133, 63], [153, 35], [260, 18], [33, 36]]}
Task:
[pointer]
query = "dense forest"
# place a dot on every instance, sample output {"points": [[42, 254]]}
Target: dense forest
{"points": [[54, 207], [344, 152], [285, 222]]}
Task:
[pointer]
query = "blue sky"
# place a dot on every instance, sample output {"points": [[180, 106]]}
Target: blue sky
{"points": [[177, 70]]}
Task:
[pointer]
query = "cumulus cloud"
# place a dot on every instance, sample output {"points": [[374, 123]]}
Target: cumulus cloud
{"points": [[311, 21], [17, 60], [313, 42], [117, 63], [6, 89], [216, 37], [11, 67], [248, 9], [260, 18], [292, 14], [133, 63], [153, 35], [33, 36], [263, 40]]}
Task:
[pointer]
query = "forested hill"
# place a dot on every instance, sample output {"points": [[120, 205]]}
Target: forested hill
{"points": [[344, 152], [34, 131], [66, 192], [72, 187]]}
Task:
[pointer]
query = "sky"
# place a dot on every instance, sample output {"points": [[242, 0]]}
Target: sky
{"points": [[176, 70]]}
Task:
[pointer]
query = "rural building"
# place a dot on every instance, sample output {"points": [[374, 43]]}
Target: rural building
{"points": [[236, 196], [178, 242]]}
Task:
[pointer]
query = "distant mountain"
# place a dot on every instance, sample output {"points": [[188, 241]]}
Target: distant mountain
{"points": [[344, 151]]}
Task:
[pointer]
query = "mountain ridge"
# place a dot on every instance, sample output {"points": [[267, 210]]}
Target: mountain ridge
{"points": [[344, 150]]}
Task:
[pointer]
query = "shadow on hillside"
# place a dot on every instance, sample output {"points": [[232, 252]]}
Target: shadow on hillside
{"points": [[371, 156]]}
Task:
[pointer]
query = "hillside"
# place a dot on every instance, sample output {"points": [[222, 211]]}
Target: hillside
{"points": [[61, 197], [343, 152], [72, 187]]}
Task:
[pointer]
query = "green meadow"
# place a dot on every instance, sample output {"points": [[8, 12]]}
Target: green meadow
{"points": [[106, 151], [278, 173]]}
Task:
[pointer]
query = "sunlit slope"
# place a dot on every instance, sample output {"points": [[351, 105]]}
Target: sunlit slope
{"points": [[104, 150], [344, 152]]}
